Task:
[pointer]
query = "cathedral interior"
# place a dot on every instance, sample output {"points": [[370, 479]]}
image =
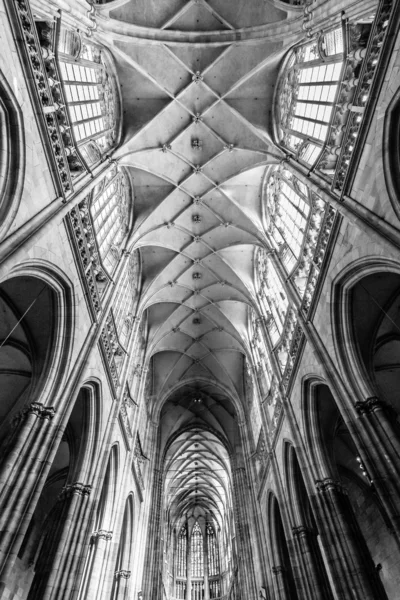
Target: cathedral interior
{"points": [[199, 300]]}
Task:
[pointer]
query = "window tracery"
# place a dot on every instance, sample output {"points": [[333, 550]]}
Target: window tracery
{"points": [[110, 213], [90, 93], [212, 551], [287, 211], [273, 299], [196, 551], [124, 304], [181, 553], [307, 94]]}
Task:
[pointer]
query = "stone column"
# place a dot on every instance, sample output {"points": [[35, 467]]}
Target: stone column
{"points": [[100, 541], [383, 456], [281, 583], [353, 571], [188, 570], [23, 460], [205, 562], [122, 584], [314, 576], [381, 449], [57, 565], [246, 560], [152, 584]]}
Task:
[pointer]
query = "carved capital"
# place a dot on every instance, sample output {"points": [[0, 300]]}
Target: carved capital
{"points": [[324, 485], [369, 405], [278, 569], [41, 411], [123, 574], [101, 534], [77, 488], [301, 531]]}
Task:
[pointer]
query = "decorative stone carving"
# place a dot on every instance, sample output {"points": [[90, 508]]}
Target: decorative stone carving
{"points": [[101, 534], [196, 218], [78, 489], [197, 144], [369, 405], [197, 118], [50, 97], [197, 77], [324, 485], [124, 574]]}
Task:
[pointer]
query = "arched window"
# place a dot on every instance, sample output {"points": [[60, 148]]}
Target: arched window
{"points": [[287, 212], [125, 300], [181, 553], [110, 213], [197, 554], [261, 356], [91, 95], [273, 299], [212, 550], [307, 93]]}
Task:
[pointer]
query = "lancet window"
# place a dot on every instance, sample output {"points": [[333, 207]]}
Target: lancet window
{"points": [[307, 94], [109, 211], [196, 551], [90, 93], [212, 551], [181, 553], [273, 299], [287, 213]]}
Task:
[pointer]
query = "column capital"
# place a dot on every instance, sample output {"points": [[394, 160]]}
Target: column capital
{"points": [[323, 485], [41, 411], [278, 569], [77, 488], [122, 573], [302, 531], [369, 405], [101, 534]]}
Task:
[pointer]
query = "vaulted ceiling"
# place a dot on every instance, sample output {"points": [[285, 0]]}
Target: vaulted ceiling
{"points": [[197, 84]]}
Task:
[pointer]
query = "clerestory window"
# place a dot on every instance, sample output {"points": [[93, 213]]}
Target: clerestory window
{"points": [[307, 93], [109, 211], [287, 213], [273, 300], [125, 301], [90, 93]]}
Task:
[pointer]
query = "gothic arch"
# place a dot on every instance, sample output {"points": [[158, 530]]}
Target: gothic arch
{"points": [[12, 152], [391, 151], [364, 338], [282, 571], [38, 309]]}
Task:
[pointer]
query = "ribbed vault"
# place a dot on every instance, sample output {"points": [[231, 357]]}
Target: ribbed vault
{"points": [[197, 143]]}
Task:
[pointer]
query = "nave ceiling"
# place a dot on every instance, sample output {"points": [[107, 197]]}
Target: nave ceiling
{"points": [[197, 143]]}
